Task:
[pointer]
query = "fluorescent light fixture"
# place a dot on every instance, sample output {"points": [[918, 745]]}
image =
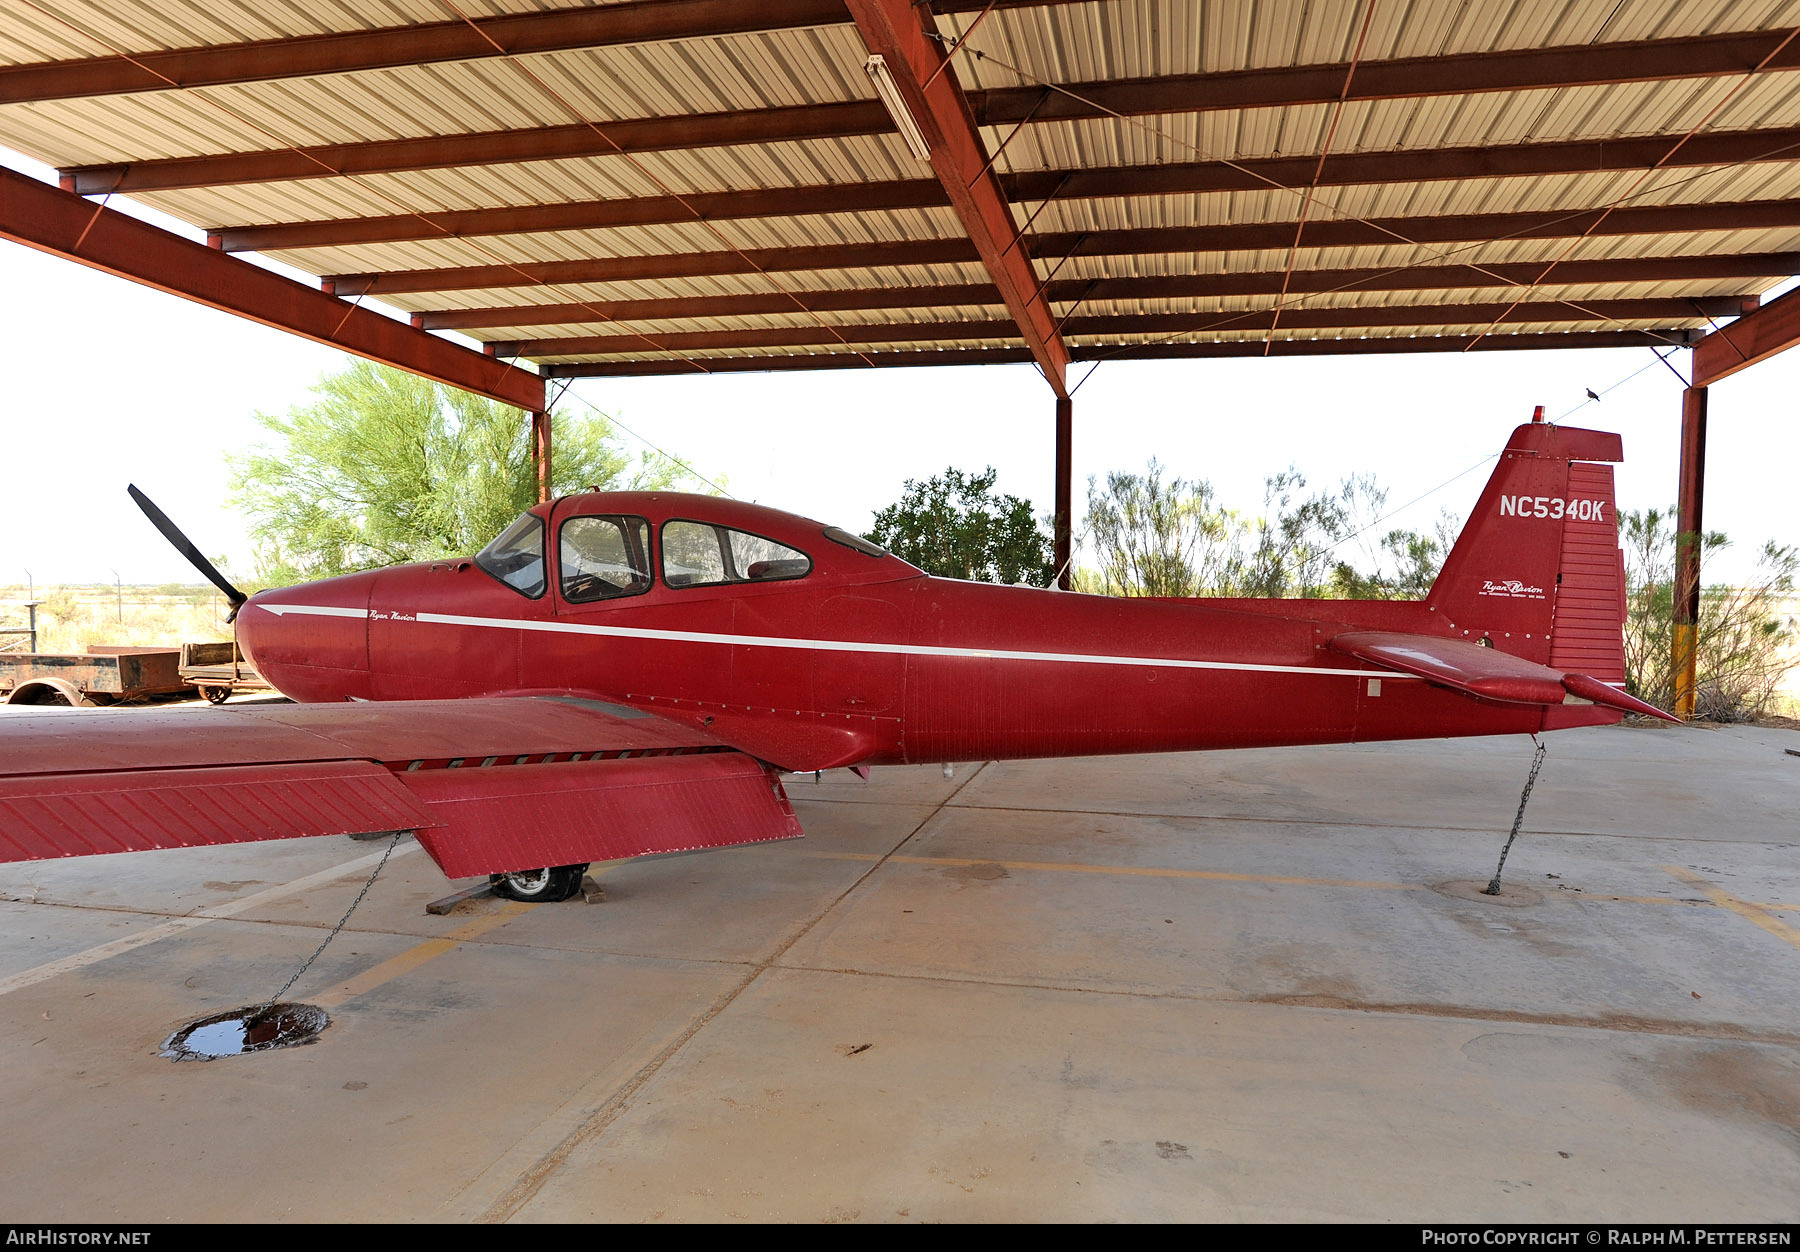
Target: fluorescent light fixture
{"points": [[889, 91]]}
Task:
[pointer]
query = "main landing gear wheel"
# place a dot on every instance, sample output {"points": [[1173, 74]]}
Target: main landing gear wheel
{"points": [[539, 886]]}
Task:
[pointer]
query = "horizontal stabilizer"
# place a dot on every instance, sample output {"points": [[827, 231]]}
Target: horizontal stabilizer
{"points": [[1583, 687], [1486, 673]]}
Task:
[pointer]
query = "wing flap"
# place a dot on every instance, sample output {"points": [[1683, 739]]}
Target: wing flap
{"points": [[58, 815], [527, 816], [1486, 673]]}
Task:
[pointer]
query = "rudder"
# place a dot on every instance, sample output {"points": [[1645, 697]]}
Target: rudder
{"points": [[1537, 570]]}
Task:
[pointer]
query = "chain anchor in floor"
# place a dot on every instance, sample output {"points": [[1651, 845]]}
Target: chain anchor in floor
{"points": [[1537, 761]]}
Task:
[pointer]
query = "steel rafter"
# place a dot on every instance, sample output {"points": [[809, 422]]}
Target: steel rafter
{"points": [[1653, 221], [383, 48], [1659, 338], [1458, 74], [942, 251], [477, 38], [1466, 73], [1756, 336], [1664, 310], [867, 116], [928, 193], [65, 225], [499, 147], [904, 35]]}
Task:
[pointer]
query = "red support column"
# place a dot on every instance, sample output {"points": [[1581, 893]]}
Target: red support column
{"points": [[540, 454], [1686, 616], [1063, 523]]}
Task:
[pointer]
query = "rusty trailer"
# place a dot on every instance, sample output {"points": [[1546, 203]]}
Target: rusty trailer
{"points": [[104, 674], [218, 669]]}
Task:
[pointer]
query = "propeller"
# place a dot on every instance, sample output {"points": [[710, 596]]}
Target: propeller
{"points": [[185, 546]]}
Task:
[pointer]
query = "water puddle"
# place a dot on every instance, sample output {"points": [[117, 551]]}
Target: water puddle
{"points": [[257, 1028]]}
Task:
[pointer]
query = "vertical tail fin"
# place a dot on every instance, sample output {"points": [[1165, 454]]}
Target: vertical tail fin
{"points": [[1537, 570]]}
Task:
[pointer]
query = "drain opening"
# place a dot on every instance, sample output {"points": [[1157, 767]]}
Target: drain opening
{"points": [[255, 1028]]}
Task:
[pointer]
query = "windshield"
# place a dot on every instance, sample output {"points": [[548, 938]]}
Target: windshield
{"points": [[516, 558]]}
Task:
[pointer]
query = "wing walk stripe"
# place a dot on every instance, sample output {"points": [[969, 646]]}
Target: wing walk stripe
{"points": [[831, 645]]}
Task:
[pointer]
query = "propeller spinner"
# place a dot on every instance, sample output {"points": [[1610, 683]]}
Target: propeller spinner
{"points": [[185, 546]]}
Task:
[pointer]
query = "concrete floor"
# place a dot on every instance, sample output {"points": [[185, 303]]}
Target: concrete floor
{"points": [[1216, 987]]}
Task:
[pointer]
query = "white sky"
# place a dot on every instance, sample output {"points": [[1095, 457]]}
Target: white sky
{"points": [[107, 382]]}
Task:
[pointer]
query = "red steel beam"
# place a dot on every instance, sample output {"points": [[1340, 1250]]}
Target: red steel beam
{"points": [[1648, 60], [946, 251], [596, 311], [338, 52], [661, 265], [1665, 310], [584, 215], [588, 26], [1651, 220], [1144, 352], [903, 34], [864, 117], [1447, 228], [927, 193], [497, 147], [650, 20], [1754, 337], [65, 225]]}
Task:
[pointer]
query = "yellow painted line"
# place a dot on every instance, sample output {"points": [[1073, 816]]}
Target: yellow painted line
{"points": [[1755, 910], [1134, 871], [414, 957], [431, 949], [1757, 914]]}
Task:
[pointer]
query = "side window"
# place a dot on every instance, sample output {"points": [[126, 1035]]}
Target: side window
{"points": [[760, 560], [603, 557], [696, 554], [691, 555], [516, 558]]}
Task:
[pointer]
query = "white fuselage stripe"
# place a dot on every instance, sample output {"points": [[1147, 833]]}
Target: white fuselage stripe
{"points": [[818, 645]]}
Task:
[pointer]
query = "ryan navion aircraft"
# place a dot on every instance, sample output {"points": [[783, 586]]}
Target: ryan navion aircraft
{"points": [[620, 674]]}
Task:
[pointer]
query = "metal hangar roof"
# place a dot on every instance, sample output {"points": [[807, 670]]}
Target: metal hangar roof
{"points": [[693, 186]]}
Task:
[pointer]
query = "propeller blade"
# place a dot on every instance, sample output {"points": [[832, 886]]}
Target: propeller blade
{"points": [[183, 545]]}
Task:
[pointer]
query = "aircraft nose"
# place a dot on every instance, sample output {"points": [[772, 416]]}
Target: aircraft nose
{"points": [[310, 642]]}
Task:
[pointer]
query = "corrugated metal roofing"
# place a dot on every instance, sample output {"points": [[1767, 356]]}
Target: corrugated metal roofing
{"points": [[727, 277]]}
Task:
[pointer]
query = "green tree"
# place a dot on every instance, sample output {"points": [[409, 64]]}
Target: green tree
{"points": [[1744, 646], [1158, 536], [956, 526], [1162, 537], [385, 467]]}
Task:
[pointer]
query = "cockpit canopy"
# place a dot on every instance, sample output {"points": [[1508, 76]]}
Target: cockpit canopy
{"points": [[611, 545]]}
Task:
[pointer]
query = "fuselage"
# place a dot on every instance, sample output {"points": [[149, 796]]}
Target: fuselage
{"points": [[810, 651]]}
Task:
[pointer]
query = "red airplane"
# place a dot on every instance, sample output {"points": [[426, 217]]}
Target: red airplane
{"points": [[620, 674]]}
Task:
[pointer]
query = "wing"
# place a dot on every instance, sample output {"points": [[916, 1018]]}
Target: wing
{"points": [[1486, 673], [490, 785]]}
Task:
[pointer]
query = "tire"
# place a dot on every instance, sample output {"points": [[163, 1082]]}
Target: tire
{"points": [[49, 691], [216, 695], [539, 886]]}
